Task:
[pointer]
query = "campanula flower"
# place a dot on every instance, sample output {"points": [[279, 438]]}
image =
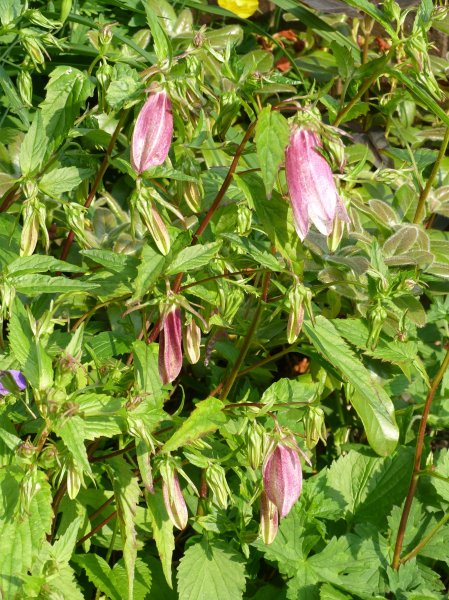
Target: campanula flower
{"points": [[241, 8], [282, 477], [311, 185], [170, 345], [152, 133], [10, 379], [173, 499]]}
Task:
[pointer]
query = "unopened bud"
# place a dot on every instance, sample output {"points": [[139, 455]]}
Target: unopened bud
{"points": [[377, 317], [216, 480], [170, 342], [26, 452], [192, 341], [244, 218], [32, 46], [269, 519], [28, 488], [48, 458], [296, 315], [25, 87], [74, 480], [66, 7], [314, 426], [282, 477], [154, 223], [255, 438], [152, 133], [193, 195], [103, 75], [173, 499], [105, 36]]}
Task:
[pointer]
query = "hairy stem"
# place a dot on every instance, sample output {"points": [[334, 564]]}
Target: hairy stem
{"points": [[417, 462], [420, 209]]}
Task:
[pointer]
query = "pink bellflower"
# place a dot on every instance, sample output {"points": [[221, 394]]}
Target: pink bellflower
{"points": [[170, 345], [311, 185], [282, 478], [153, 133]]}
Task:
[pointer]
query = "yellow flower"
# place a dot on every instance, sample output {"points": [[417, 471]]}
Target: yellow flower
{"points": [[242, 8]]}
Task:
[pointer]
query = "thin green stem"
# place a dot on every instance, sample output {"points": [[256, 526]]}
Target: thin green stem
{"points": [[420, 209], [417, 462], [426, 539], [246, 341]]}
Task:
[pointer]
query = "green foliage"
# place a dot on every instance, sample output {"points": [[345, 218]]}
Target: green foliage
{"points": [[127, 423]]}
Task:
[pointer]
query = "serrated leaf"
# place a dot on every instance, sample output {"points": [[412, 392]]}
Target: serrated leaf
{"points": [[370, 485], [151, 266], [33, 285], [193, 258], [211, 570], [67, 91], [262, 257], [142, 580], [21, 538], [25, 265], [127, 492], [99, 573], [62, 180], [147, 378], [370, 400], [112, 260], [272, 136], [34, 146], [10, 92], [162, 532], [71, 431], [206, 417]]}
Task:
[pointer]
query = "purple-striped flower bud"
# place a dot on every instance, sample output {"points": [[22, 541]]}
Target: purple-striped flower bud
{"points": [[173, 499], [282, 478], [152, 133], [170, 342], [269, 519], [11, 381], [311, 185]]}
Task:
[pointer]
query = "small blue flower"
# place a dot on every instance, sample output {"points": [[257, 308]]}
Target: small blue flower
{"points": [[10, 378]]}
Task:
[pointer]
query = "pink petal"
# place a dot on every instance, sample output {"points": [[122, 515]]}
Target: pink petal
{"points": [[170, 346], [282, 477]]}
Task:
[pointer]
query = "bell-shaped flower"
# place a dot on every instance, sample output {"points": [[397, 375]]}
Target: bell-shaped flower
{"points": [[153, 133], [11, 381], [282, 477], [170, 345], [311, 185], [241, 8]]}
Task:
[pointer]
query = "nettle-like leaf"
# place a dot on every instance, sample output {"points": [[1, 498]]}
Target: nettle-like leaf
{"points": [[211, 570], [272, 135]]}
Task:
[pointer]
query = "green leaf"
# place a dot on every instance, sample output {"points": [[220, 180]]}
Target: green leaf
{"points": [[112, 261], [67, 91], [162, 44], [289, 390], [10, 92], [193, 258], [369, 399], [146, 369], [99, 573], [127, 492], [375, 13], [151, 266], [38, 263], [142, 580], [162, 532], [272, 136], [34, 146], [369, 486], [56, 182], [71, 431], [34, 361], [21, 536], [33, 285], [205, 418], [211, 570], [262, 257]]}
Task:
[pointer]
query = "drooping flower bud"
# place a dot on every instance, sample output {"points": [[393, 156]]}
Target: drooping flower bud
{"points": [[216, 480], [11, 381], [173, 499], [311, 185], [269, 519], [282, 478], [170, 341], [296, 313], [314, 426], [153, 133], [255, 444], [192, 341], [242, 8], [377, 317]]}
